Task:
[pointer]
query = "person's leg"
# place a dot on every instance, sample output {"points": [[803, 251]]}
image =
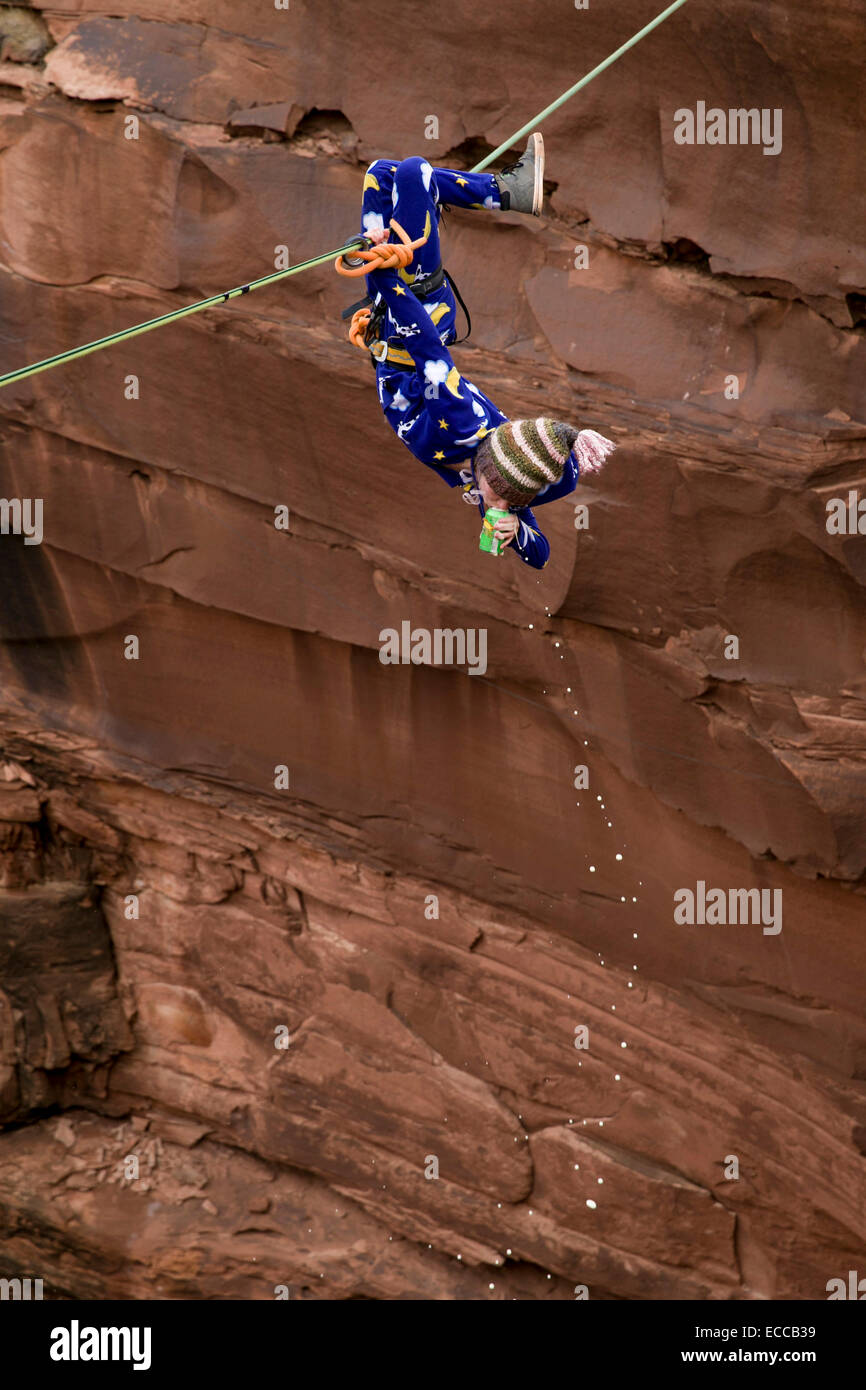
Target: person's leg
{"points": [[518, 187], [415, 206], [417, 193], [405, 191], [376, 197], [401, 189], [459, 188]]}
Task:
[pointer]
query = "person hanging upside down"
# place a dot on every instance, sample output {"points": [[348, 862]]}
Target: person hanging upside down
{"points": [[446, 421]]}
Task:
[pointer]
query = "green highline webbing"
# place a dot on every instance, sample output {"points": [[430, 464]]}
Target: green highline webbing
{"points": [[212, 302], [578, 86], [74, 353]]}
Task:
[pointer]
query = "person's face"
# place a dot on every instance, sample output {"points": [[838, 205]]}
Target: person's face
{"points": [[488, 496]]}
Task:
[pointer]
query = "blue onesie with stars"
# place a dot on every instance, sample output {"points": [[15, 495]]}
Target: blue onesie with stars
{"points": [[441, 416]]}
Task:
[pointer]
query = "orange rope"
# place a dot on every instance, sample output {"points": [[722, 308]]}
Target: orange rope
{"points": [[389, 255], [358, 328]]}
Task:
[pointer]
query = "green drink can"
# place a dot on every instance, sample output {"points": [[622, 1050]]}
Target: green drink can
{"points": [[487, 540]]}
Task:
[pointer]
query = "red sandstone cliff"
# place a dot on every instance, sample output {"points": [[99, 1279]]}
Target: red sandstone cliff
{"points": [[308, 910]]}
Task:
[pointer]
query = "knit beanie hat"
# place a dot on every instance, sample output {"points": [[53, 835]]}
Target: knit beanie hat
{"points": [[520, 457]]}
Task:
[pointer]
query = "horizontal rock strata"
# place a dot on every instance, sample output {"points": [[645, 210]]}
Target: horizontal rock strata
{"points": [[432, 906]]}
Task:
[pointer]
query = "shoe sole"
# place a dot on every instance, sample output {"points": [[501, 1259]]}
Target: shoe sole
{"points": [[537, 142]]}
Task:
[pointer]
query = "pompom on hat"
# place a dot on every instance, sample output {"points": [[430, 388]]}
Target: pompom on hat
{"points": [[521, 457]]}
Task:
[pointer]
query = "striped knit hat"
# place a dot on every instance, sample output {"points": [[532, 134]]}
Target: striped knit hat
{"points": [[521, 457]]}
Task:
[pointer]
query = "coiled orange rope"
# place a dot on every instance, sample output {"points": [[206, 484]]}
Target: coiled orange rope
{"points": [[389, 255], [358, 328]]}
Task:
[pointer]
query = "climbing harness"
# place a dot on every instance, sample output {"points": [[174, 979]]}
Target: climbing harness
{"points": [[388, 255], [461, 301], [367, 318], [358, 246]]}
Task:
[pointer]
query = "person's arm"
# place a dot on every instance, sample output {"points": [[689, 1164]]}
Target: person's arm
{"points": [[529, 542]]}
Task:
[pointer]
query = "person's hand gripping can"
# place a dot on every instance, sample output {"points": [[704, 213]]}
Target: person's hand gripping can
{"points": [[487, 540]]}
